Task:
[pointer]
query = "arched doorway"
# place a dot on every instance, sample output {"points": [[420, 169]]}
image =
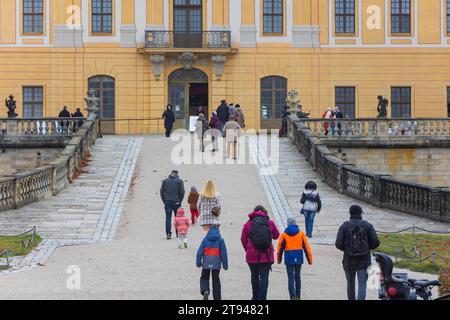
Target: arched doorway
{"points": [[188, 94], [105, 88]]}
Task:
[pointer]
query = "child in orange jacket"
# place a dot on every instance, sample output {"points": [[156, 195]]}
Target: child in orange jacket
{"points": [[182, 227], [294, 244]]}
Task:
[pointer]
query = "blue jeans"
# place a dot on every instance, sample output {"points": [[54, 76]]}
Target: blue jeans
{"points": [[309, 222], [294, 279], [362, 275], [260, 280], [169, 207]]}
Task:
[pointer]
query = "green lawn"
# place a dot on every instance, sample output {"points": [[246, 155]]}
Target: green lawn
{"points": [[14, 244], [426, 243]]}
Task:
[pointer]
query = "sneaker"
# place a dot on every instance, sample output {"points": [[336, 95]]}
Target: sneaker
{"points": [[185, 245], [206, 295], [180, 246], [169, 237]]}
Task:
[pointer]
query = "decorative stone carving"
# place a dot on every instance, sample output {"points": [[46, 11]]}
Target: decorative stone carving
{"points": [[218, 64], [157, 61], [383, 103], [304, 36], [92, 102], [11, 105], [187, 59]]}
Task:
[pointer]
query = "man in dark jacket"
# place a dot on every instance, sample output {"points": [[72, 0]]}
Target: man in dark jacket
{"points": [[223, 112], [172, 194], [356, 238], [64, 113], [78, 114]]}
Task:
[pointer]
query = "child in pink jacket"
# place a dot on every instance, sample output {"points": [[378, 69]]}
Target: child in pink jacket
{"points": [[182, 227]]}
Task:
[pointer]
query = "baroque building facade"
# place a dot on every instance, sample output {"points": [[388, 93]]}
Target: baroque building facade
{"points": [[141, 55]]}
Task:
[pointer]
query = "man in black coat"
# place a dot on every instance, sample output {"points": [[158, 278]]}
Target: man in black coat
{"points": [[64, 113], [223, 112], [172, 194], [169, 119], [356, 238]]}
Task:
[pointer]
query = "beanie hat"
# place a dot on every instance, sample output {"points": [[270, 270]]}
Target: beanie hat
{"points": [[355, 210], [291, 222]]}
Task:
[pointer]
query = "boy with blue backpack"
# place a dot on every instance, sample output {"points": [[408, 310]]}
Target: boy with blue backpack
{"points": [[211, 256]]}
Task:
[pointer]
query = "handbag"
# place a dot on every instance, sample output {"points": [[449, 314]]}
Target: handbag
{"points": [[215, 211]]}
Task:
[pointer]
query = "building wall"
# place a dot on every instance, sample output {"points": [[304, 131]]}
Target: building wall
{"points": [[372, 59]]}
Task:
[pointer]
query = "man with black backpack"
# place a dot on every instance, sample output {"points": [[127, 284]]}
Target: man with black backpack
{"points": [[256, 238], [356, 238]]}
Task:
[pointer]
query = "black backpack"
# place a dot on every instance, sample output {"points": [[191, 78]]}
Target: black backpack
{"points": [[261, 234], [357, 242]]}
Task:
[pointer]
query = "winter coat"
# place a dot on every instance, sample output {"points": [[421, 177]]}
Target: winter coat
{"points": [[240, 117], [214, 124], [181, 223], [253, 256], [169, 119], [223, 112], [205, 206], [231, 131], [193, 199], [172, 189], [201, 126], [293, 243], [212, 253], [360, 262], [233, 112], [311, 201], [64, 114]]}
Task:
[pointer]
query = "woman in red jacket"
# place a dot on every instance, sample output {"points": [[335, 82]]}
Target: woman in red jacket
{"points": [[256, 238]]}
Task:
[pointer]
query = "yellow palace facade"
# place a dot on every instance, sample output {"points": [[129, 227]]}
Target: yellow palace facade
{"points": [[140, 55]]}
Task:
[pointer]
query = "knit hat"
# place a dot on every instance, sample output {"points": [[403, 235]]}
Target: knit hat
{"points": [[291, 222], [180, 211], [355, 210]]}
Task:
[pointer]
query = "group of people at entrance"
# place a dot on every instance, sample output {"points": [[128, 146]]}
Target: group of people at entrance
{"points": [[356, 238], [227, 121]]}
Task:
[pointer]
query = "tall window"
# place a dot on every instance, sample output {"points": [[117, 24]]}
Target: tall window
{"points": [[401, 16], [401, 102], [273, 97], [33, 102], [105, 87], [448, 16], [273, 16], [345, 16], [345, 100], [33, 16], [102, 16]]}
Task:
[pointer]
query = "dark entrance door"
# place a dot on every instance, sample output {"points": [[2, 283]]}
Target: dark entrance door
{"points": [[105, 88], [188, 92], [187, 23]]}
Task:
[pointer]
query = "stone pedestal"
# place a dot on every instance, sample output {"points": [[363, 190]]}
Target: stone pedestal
{"points": [[12, 128], [382, 128]]}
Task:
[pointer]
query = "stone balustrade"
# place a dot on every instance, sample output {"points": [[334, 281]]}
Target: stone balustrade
{"points": [[33, 185], [39, 127], [338, 128], [380, 190]]}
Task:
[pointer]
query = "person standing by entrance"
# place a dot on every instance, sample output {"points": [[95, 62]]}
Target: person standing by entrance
{"points": [[172, 194], [232, 131], [356, 238], [223, 112], [169, 119], [209, 206], [214, 124], [201, 126], [256, 238]]}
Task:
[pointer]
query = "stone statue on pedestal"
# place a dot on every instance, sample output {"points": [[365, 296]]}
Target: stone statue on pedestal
{"points": [[382, 107], [92, 102], [11, 105]]}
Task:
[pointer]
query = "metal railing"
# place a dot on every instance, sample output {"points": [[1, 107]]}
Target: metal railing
{"points": [[203, 39], [40, 126], [26, 187], [28, 238], [380, 190]]}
